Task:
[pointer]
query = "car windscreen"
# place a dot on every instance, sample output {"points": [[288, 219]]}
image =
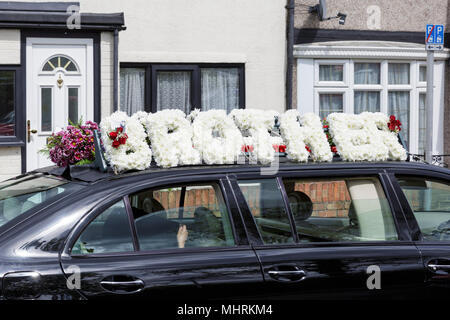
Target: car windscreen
{"points": [[23, 194]]}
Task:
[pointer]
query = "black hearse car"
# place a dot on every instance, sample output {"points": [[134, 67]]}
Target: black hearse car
{"points": [[335, 230]]}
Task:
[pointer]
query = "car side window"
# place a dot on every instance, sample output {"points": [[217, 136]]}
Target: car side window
{"points": [[109, 233], [339, 210], [182, 216], [430, 201], [265, 200]]}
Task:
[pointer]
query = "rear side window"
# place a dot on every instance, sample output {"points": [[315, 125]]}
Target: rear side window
{"points": [[265, 200], [430, 201], [109, 233], [339, 210], [183, 216]]}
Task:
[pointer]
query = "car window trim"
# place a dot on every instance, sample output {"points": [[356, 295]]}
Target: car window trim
{"points": [[187, 181], [126, 191], [132, 223], [343, 173], [409, 212]]}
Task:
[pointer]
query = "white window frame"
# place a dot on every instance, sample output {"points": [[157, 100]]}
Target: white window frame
{"points": [[345, 71], [348, 88]]}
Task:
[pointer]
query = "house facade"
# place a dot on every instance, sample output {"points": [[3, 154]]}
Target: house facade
{"points": [[62, 60], [376, 61]]}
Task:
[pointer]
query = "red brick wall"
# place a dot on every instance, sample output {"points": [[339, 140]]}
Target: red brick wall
{"points": [[330, 199]]}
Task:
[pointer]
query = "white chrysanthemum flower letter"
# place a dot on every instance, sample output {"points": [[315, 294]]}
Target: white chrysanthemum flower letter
{"points": [[301, 131], [255, 126], [129, 150], [216, 137], [365, 137], [170, 135]]}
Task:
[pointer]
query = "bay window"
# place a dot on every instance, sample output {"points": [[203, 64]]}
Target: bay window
{"points": [[394, 87], [154, 87]]}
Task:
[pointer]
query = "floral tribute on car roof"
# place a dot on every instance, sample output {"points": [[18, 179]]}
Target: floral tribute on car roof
{"points": [[171, 138], [212, 137]]}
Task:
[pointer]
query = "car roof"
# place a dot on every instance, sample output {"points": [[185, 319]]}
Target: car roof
{"points": [[90, 174]]}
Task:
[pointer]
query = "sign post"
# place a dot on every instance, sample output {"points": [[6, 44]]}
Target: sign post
{"points": [[434, 40]]}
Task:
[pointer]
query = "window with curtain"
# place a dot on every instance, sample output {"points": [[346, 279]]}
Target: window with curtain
{"points": [[330, 103], [132, 90], [183, 86], [422, 122], [398, 73], [331, 72], [356, 86], [399, 106], [174, 90], [220, 88]]}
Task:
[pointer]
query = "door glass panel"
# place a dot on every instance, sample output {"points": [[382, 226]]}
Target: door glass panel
{"points": [[174, 90], [331, 72], [110, 232], [266, 203], [46, 109], [7, 97], [73, 105], [182, 217], [430, 201], [339, 210], [330, 103]]}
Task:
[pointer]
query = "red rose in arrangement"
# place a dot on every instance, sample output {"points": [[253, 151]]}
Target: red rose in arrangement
{"points": [[308, 149], [279, 148], [394, 124], [246, 148], [119, 137]]}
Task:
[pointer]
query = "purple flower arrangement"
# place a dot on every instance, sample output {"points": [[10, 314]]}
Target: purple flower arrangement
{"points": [[73, 145]]}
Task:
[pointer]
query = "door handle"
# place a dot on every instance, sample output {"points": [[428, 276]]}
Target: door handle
{"points": [[125, 286], [438, 267], [287, 273], [30, 131]]}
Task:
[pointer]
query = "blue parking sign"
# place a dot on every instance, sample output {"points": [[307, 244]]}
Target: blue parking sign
{"points": [[434, 36]]}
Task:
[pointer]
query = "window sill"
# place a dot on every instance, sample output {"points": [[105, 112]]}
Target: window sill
{"points": [[11, 142]]}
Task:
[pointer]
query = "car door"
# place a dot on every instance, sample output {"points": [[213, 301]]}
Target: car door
{"points": [[180, 239], [331, 234], [425, 196]]}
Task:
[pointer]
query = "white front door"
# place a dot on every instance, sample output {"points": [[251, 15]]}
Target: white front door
{"points": [[60, 79]]}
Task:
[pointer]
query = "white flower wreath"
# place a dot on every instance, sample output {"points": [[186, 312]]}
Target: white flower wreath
{"points": [[254, 126], [217, 137], [298, 131], [170, 135], [365, 137], [134, 154]]}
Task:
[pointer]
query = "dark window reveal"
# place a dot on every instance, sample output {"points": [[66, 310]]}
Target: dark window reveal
{"points": [[7, 110]]}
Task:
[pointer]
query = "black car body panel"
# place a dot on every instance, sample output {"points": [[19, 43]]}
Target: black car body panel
{"points": [[36, 260]]}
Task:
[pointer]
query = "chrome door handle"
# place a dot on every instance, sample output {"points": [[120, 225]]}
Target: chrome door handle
{"points": [[287, 273], [436, 267], [125, 286], [123, 283]]}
